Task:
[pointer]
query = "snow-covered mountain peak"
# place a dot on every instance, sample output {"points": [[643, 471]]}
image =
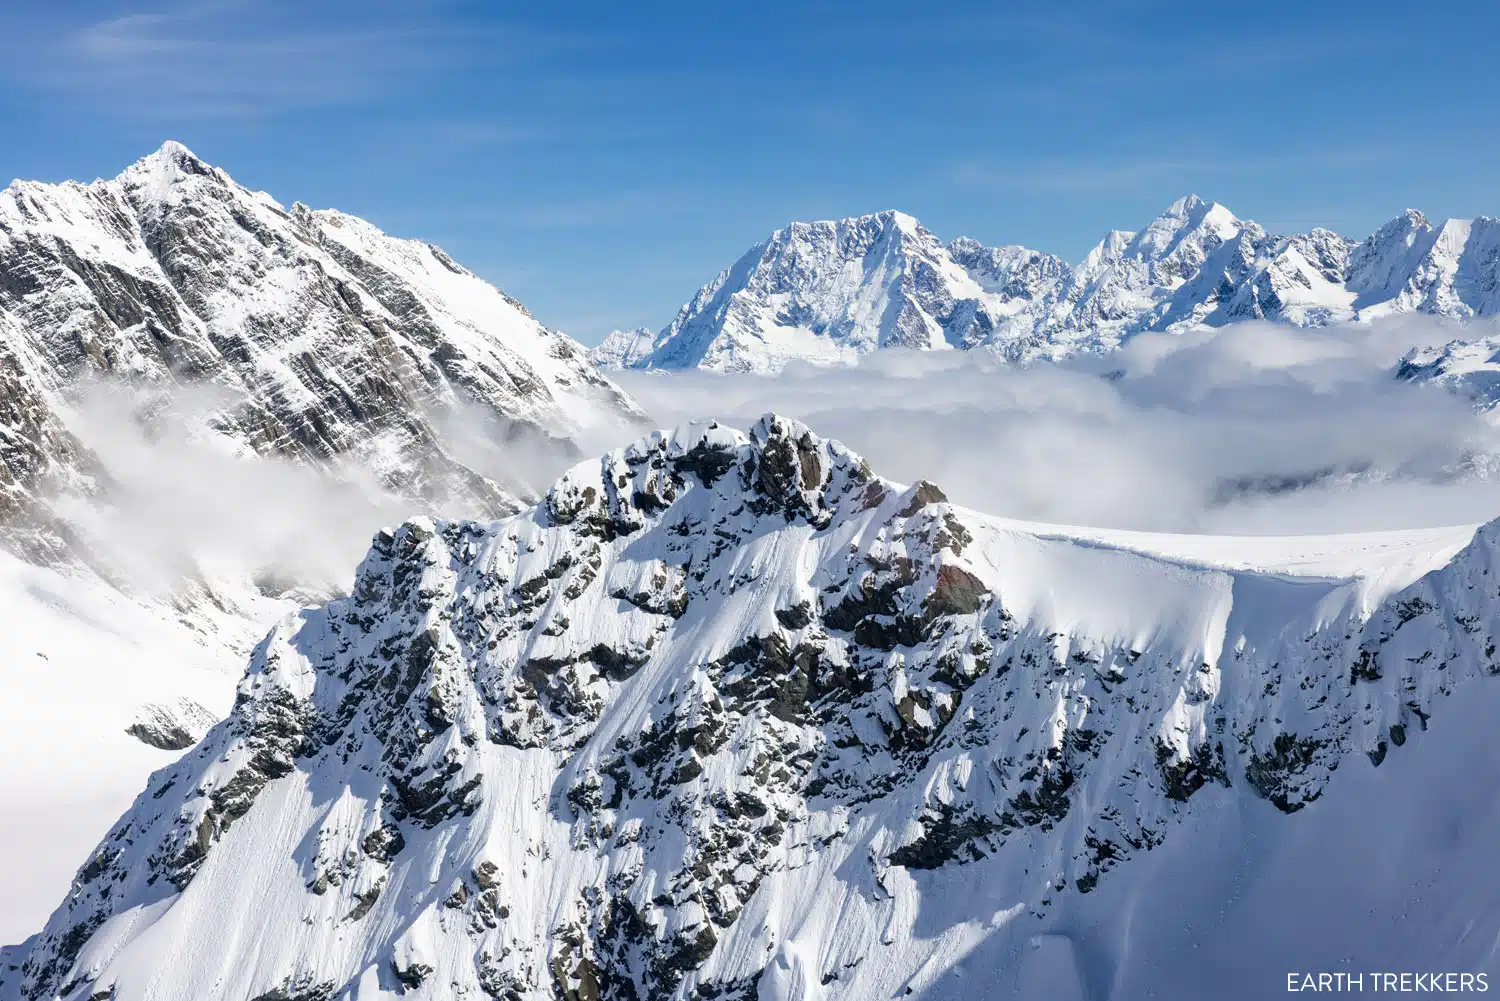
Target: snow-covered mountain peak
{"points": [[1405, 229], [1470, 368], [781, 465], [832, 290], [1451, 269], [623, 348], [331, 342], [1108, 250], [1410, 219], [969, 245], [1190, 228], [172, 174], [1188, 205], [902, 221], [728, 715], [173, 150], [885, 219], [171, 159], [1196, 264], [855, 234]]}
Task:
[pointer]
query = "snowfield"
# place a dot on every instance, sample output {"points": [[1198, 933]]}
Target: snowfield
{"points": [[727, 715], [79, 660], [724, 714]]}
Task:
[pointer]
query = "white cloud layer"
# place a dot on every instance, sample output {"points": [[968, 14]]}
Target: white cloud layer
{"points": [[1253, 428], [179, 504]]}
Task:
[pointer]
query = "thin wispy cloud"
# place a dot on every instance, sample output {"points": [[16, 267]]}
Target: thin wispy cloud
{"points": [[234, 59], [237, 58]]}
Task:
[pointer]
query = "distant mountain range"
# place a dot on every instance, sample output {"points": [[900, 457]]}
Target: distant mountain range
{"points": [[720, 714], [829, 292]]}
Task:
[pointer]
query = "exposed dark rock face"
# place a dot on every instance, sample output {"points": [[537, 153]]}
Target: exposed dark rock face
{"points": [[171, 727], [37, 457], [707, 696], [324, 340]]}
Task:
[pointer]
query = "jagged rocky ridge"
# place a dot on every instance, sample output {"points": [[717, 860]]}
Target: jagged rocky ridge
{"points": [[622, 348], [828, 292], [321, 339], [1470, 368], [714, 720]]}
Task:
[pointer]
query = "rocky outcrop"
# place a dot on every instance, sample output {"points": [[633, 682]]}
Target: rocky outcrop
{"points": [[172, 726], [38, 456], [314, 337], [829, 292], [719, 692]]}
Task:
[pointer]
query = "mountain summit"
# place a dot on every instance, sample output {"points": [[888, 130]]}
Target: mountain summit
{"points": [[166, 330], [327, 339], [727, 715], [829, 292]]}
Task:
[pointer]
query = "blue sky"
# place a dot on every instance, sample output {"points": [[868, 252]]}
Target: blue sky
{"points": [[600, 161]]}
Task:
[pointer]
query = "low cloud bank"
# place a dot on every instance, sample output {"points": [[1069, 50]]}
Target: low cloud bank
{"points": [[175, 502], [1255, 428]]}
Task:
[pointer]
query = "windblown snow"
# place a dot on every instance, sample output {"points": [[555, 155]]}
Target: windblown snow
{"points": [[727, 715], [100, 689]]}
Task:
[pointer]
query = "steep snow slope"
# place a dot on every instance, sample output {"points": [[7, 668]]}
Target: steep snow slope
{"points": [[80, 665], [325, 339], [729, 716], [622, 348], [828, 292], [1470, 368], [1448, 269], [285, 334]]}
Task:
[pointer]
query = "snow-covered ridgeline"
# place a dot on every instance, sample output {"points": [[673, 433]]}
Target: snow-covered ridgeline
{"points": [[828, 292], [727, 715], [239, 327], [318, 337]]}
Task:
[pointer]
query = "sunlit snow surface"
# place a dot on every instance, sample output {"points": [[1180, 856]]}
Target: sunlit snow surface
{"points": [[77, 659], [1128, 654], [206, 395], [829, 292]]}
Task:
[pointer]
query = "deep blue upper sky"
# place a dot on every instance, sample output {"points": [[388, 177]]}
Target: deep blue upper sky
{"points": [[599, 161]]}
